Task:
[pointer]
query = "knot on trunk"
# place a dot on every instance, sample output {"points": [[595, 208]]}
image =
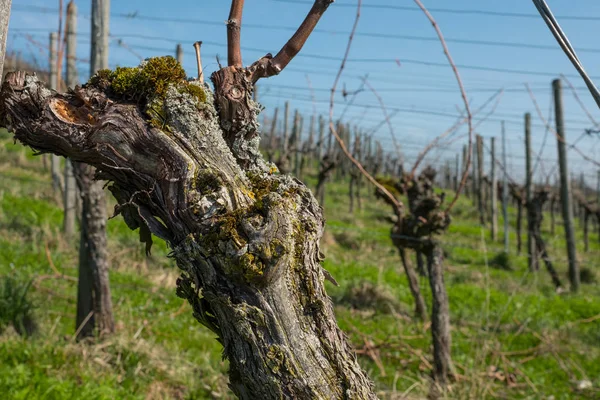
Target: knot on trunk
{"points": [[425, 218], [238, 113]]}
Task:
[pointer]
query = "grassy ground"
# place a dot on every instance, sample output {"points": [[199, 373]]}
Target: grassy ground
{"points": [[513, 335]]}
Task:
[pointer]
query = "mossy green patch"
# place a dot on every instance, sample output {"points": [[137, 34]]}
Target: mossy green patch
{"points": [[151, 79], [276, 248], [195, 91], [251, 267], [275, 358], [156, 111], [147, 85], [127, 82], [101, 78], [261, 186], [158, 73], [299, 238]]}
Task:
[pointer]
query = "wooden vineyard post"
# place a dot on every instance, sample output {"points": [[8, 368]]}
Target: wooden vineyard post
{"points": [[565, 187]]}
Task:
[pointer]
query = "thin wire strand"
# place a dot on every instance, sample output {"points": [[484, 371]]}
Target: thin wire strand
{"points": [[564, 43]]}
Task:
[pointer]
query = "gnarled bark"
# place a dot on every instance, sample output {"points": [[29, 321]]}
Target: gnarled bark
{"points": [[94, 303], [245, 238], [417, 230], [535, 210], [4, 18]]}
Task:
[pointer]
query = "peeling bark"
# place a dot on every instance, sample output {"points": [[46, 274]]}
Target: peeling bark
{"points": [[245, 238]]}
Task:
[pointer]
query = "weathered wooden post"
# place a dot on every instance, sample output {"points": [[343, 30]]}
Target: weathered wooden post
{"points": [[479, 142], [321, 143], [598, 188], [309, 152], [474, 195], [598, 203], [54, 159], [456, 173], [504, 190], [297, 133], [494, 190], [463, 167], [284, 140], [531, 252], [354, 189], [582, 189], [179, 53], [553, 210], [565, 189], [70, 193], [4, 18], [271, 147], [94, 303], [586, 240]]}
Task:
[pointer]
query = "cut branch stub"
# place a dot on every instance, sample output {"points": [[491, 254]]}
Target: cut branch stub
{"points": [[237, 113], [247, 241]]}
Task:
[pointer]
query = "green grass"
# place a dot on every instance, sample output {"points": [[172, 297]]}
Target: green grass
{"points": [[513, 335]]}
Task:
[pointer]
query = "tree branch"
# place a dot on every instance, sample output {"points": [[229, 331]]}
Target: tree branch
{"points": [[268, 65], [461, 120], [463, 94], [583, 107], [294, 45], [390, 197], [234, 25], [387, 119]]}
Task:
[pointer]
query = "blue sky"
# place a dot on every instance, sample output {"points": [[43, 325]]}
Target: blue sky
{"points": [[425, 97]]}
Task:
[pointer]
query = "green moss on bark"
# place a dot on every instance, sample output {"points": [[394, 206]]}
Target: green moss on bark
{"points": [[147, 85], [275, 358]]}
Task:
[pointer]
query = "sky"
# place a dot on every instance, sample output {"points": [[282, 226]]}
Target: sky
{"points": [[495, 45]]}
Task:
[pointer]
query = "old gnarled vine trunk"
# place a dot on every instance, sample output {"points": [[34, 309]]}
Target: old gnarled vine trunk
{"points": [[187, 168], [417, 230]]}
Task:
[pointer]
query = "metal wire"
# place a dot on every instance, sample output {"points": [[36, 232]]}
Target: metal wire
{"points": [[564, 43]]}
